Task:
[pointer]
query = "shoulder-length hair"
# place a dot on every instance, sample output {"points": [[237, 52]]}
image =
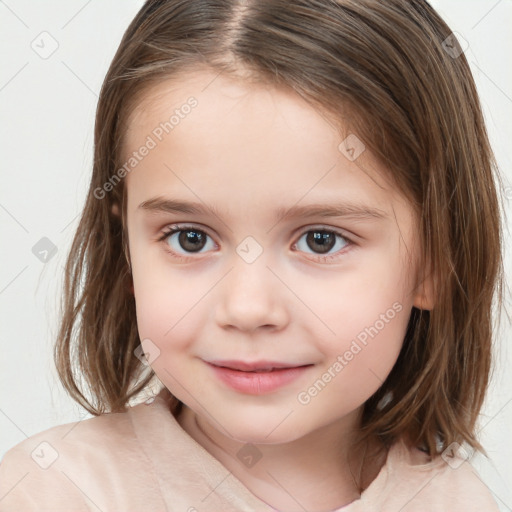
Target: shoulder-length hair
{"points": [[392, 72]]}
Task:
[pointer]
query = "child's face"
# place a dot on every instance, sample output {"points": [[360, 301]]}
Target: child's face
{"points": [[248, 285]]}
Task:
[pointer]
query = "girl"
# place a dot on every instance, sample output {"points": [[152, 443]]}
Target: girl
{"points": [[292, 231]]}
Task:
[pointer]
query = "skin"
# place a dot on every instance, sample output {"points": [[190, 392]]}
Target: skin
{"points": [[247, 150]]}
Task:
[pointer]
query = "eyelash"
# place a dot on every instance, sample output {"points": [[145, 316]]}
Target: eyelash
{"points": [[176, 228]]}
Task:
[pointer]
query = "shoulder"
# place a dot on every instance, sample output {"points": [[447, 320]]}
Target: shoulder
{"points": [[70, 466], [84, 438], [413, 482]]}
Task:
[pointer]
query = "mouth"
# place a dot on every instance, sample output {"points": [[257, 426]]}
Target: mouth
{"points": [[257, 366], [257, 378]]}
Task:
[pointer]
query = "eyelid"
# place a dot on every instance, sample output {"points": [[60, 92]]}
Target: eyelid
{"points": [[181, 226], [331, 229]]}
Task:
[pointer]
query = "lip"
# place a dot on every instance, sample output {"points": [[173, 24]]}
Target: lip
{"points": [[253, 366], [253, 382]]}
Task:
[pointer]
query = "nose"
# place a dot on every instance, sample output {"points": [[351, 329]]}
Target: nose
{"points": [[252, 298]]}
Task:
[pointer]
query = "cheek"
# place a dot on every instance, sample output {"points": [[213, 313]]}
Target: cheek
{"points": [[154, 304], [374, 347], [373, 291], [357, 365], [160, 299], [168, 305], [367, 311], [165, 314], [165, 321]]}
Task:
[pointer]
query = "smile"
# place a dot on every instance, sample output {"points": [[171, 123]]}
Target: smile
{"points": [[257, 381]]}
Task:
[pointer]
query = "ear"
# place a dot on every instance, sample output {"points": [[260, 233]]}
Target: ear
{"points": [[115, 210], [424, 294]]}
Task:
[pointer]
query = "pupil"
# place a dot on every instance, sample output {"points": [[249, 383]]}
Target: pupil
{"points": [[324, 240], [191, 240]]}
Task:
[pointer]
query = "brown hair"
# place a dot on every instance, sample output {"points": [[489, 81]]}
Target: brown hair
{"points": [[381, 68]]}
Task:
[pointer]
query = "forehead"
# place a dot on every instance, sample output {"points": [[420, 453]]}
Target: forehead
{"points": [[224, 100], [254, 138]]}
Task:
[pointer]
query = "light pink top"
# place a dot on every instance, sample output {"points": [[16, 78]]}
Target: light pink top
{"points": [[142, 460]]}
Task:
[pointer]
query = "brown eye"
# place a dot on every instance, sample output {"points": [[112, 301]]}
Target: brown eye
{"points": [[191, 240], [322, 242], [185, 240]]}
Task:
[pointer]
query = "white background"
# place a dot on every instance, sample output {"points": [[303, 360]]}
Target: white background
{"points": [[47, 115]]}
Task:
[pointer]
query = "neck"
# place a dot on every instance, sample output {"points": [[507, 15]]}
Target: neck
{"points": [[317, 472]]}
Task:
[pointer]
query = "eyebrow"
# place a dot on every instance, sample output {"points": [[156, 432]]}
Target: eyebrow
{"points": [[353, 210]]}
